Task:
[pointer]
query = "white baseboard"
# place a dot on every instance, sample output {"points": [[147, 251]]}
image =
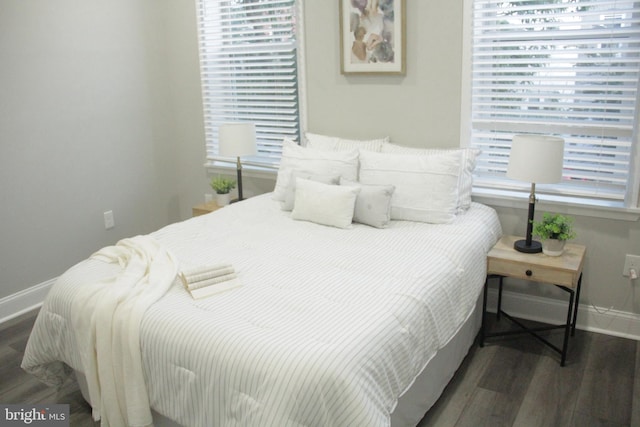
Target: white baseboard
{"points": [[605, 321], [24, 301]]}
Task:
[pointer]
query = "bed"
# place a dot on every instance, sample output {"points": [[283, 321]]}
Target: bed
{"points": [[353, 326]]}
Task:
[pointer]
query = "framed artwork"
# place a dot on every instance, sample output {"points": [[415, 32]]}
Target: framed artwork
{"points": [[372, 36]]}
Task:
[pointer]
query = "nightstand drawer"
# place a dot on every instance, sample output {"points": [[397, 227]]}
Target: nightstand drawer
{"points": [[522, 270]]}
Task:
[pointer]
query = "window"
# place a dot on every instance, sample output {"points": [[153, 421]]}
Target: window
{"points": [[249, 71], [568, 68]]}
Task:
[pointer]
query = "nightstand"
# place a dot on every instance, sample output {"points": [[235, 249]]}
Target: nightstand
{"points": [[564, 272], [204, 208]]}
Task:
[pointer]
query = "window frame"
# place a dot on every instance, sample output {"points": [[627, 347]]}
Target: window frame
{"points": [[516, 194]]}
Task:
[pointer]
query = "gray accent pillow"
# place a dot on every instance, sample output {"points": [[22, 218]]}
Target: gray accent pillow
{"points": [[373, 205], [290, 195]]}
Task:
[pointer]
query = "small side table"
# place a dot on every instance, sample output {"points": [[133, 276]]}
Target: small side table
{"points": [[204, 208], [564, 272]]}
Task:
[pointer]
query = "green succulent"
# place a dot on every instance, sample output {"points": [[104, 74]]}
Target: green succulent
{"points": [[222, 185], [554, 226]]}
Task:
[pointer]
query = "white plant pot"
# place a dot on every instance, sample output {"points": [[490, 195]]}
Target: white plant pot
{"points": [[553, 247], [223, 199]]}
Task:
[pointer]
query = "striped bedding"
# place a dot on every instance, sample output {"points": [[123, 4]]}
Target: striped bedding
{"points": [[329, 328]]}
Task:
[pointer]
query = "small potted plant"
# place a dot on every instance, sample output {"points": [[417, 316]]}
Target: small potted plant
{"points": [[554, 230], [222, 186]]}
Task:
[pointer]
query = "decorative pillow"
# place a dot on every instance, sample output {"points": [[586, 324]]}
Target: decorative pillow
{"points": [[467, 165], [426, 186], [334, 143], [324, 204], [373, 205], [321, 162], [289, 198]]}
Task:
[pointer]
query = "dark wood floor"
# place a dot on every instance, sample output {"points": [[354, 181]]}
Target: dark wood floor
{"points": [[16, 386], [518, 381], [509, 382]]}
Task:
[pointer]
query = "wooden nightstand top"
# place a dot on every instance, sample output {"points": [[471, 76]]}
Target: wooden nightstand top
{"points": [[204, 208], [562, 270]]}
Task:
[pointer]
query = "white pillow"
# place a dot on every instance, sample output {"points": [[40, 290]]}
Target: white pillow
{"points": [[373, 205], [426, 186], [467, 165], [289, 199], [334, 143], [324, 204], [320, 162]]}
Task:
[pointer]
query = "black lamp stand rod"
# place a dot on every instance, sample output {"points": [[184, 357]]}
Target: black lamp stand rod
{"points": [[532, 209], [528, 245], [239, 172]]}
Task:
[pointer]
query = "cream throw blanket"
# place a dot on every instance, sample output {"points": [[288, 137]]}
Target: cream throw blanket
{"points": [[106, 320]]}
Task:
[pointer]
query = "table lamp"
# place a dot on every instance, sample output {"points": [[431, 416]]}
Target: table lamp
{"points": [[535, 159], [236, 140]]}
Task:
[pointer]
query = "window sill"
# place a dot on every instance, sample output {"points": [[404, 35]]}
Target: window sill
{"points": [[251, 171], [593, 208]]}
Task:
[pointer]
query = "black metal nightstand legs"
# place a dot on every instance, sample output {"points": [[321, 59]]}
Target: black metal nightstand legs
{"points": [[567, 329], [499, 310], [575, 308], [483, 327], [569, 326]]}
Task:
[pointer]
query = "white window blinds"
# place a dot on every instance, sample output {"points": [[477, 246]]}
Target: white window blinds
{"points": [[568, 68], [249, 70]]}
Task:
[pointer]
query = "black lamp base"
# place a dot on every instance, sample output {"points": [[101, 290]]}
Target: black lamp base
{"points": [[533, 248]]}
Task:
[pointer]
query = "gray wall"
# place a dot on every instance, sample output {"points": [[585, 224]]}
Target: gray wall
{"points": [[420, 108], [100, 109], [91, 120]]}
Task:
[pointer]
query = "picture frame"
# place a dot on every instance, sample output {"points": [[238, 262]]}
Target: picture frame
{"points": [[372, 37]]}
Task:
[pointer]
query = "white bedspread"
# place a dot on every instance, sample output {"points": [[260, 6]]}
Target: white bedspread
{"points": [[329, 327]]}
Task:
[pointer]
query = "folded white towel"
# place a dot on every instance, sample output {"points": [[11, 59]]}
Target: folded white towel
{"points": [[203, 281], [199, 273], [198, 269]]}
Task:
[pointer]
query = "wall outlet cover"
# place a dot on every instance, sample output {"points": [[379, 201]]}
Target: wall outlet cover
{"points": [[109, 220], [631, 261]]}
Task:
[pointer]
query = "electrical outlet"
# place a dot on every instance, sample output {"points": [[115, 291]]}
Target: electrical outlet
{"points": [[109, 220], [631, 261]]}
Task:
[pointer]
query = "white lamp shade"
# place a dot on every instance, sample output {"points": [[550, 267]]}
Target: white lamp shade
{"points": [[536, 158], [237, 139]]}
